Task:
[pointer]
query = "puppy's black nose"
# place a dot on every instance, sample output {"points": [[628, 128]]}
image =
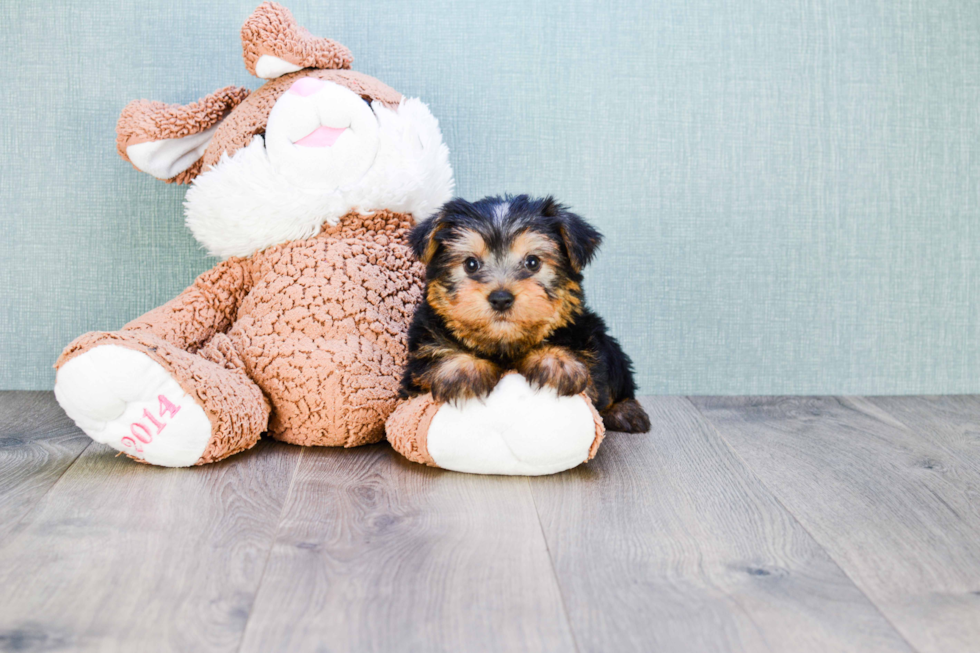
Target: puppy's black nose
{"points": [[501, 299]]}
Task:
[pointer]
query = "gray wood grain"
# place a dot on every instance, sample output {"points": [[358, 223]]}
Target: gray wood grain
{"points": [[951, 424], [120, 556], [665, 542], [892, 506], [780, 524], [378, 554], [37, 444]]}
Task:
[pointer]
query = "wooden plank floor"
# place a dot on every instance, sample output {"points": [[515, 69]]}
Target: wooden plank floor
{"points": [[738, 524]]}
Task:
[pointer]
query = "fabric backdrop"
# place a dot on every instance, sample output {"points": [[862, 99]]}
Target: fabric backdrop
{"points": [[788, 188]]}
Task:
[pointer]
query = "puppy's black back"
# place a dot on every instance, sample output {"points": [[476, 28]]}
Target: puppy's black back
{"points": [[611, 368]]}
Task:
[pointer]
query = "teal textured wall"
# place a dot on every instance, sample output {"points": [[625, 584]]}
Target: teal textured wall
{"points": [[790, 189]]}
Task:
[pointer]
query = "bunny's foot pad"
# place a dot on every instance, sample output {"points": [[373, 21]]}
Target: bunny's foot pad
{"points": [[125, 399], [516, 430]]}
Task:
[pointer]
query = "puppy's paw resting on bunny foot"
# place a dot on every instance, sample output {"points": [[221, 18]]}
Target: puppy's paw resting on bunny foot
{"points": [[460, 377], [556, 368], [515, 430], [172, 408]]}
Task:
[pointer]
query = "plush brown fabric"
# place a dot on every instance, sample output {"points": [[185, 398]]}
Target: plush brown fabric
{"points": [[145, 120], [408, 428], [317, 327], [208, 306], [323, 330], [600, 429], [250, 118], [272, 30]]}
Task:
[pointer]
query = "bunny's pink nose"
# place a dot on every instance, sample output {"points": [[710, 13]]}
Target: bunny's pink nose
{"points": [[306, 86]]}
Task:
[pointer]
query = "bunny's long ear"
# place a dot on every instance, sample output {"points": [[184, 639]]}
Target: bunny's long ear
{"points": [[168, 140], [273, 44]]}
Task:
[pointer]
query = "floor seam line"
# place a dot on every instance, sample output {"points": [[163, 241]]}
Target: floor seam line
{"points": [[30, 511], [272, 546], [551, 562], [749, 469]]}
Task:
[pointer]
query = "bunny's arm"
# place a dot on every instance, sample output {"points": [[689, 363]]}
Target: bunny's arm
{"points": [[209, 306]]}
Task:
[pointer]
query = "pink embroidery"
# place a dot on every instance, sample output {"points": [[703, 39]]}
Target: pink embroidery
{"points": [[130, 442], [167, 407], [157, 424], [146, 438], [141, 432]]}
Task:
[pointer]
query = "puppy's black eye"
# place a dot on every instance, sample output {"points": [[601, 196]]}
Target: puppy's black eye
{"points": [[532, 263], [471, 265]]}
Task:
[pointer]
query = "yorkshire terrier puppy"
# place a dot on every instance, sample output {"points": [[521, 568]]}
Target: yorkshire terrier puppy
{"points": [[503, 292]]}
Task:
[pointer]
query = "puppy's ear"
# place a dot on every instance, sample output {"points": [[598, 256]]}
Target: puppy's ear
{"points": [[422, 238], [581, 239], [425, 237]]}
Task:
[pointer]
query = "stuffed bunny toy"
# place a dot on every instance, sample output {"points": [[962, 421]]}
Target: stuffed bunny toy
{"points": [[306, 188]]}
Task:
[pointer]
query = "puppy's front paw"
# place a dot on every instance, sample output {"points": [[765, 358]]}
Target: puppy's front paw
{"points": [[462, 377], [555, 367]]}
